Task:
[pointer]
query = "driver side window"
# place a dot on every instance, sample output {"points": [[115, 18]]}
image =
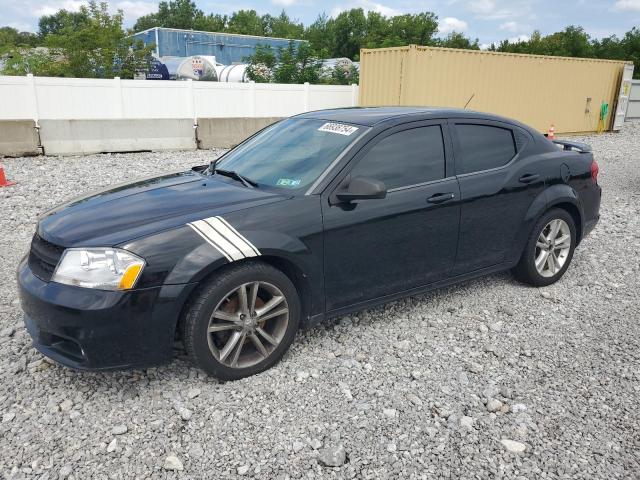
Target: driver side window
{"points": [[405, 158]]}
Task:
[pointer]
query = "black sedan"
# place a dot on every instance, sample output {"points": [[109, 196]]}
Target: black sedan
{"points": [[315, 216]]}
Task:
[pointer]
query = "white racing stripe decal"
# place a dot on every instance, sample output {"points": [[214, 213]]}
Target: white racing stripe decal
{"points": [[206, 239], [218, 233], [234, 252], [252, 248]]}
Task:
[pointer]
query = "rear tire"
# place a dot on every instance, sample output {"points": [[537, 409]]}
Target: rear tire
{"points": [[549, 249], [231, 334]]}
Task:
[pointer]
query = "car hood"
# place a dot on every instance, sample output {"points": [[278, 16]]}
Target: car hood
{"points": [[128, 211]]}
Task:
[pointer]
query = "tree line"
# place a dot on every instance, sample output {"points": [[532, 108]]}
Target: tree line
{"points": [[93, 42], [90, 43], [342, 36]]}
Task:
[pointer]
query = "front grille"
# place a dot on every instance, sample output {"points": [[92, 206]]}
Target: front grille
{"points": [[44, 257]]}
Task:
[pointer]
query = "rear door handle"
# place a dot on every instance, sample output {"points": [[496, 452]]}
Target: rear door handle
{"points": [[441, 197], [529, 177]]}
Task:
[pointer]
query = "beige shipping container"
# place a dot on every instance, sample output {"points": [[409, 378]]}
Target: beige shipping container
{"points": [[537, 90]]}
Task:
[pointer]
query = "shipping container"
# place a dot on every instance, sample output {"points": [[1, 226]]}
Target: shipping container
{"points": [[537, 90], [228, 48]]}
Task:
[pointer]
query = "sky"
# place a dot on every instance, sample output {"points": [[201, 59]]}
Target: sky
{"points": [[488, 20]]}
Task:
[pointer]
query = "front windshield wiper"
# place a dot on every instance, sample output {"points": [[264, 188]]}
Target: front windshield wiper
{"points": [[235, 175]]}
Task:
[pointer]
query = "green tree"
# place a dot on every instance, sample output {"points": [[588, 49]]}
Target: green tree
{"points": [[281, 26], [631, 45], [260, 65], [297, 64], [348, 33], [609, 47], [378, 32], [53, 24], [10, 38], [341, 76], [146, 22], [351, 30], [318, 35], [457, 40], [98, 48], [418, 29], [211, 23], [246, 22], [293, 64], [21, 61], [571, 42], [180, 14]]}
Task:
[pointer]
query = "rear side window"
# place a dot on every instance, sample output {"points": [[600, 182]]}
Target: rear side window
{"points": [[405, 158], [484, 147]]}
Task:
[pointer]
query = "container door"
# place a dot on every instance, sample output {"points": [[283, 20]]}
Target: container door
{"points": [[623, 97], [633, 110]]}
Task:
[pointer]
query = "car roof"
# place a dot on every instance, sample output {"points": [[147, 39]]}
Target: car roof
{"points": [[370, 116]]}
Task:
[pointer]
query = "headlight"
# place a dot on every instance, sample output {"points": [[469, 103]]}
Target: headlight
{"points": [[101, 268]]}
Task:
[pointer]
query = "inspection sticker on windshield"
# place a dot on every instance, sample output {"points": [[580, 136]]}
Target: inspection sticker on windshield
{"points": [[339, 128], [288, 182]]}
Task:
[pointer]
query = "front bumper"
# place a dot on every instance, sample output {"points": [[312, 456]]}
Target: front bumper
{"points": [[100, 330]]}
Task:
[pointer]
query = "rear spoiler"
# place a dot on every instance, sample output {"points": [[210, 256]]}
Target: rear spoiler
{"points": [[568, 145]]}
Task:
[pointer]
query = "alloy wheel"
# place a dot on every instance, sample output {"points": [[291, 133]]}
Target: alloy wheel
{"points": [[248, 324], [552, 248]]}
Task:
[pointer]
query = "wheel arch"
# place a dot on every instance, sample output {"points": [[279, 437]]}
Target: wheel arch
{"points": [[572, 208], [297, 276], [556, 196], [565, 197], [280, 262]]}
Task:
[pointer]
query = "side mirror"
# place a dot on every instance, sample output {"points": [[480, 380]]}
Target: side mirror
{"points": [[360, 188]]}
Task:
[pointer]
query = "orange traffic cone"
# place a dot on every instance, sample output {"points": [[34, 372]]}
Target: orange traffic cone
{"points": [[551, 135], [3, 180]]}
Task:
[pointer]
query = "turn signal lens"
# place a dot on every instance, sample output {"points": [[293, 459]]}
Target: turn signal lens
{"points": [[130, 276]]}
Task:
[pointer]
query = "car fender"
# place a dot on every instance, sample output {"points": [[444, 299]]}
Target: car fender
{"points": [[537, 208], [553, 195], [287, 237], [181, 255], [284, 252], [562, 194], [204, 259], [196, 265]]}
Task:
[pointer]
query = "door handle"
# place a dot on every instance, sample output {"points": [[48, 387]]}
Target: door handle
{"points": [[441, 197], [529, 177]]}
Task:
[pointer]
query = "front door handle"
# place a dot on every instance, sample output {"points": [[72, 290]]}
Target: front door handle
{"points": [[529, 177], [441, 197]]}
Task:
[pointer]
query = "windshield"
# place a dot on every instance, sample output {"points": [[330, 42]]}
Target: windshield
{"points": [[291, 154]]}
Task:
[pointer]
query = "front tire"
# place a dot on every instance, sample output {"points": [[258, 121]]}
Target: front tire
{"points": [[549, 250], [242, 321]]}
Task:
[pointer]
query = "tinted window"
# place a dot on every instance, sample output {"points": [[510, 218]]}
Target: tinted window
{"points": [[290, 154], [484, 147], [405, 158]]}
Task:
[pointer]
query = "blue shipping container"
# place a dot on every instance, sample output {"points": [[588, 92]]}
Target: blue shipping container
{"points": [[228, 48]]}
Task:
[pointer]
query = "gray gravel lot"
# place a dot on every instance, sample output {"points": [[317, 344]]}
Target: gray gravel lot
{"points": [[489, 379]]}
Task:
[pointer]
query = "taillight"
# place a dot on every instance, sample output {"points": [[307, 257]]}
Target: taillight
{"points": [[594, 171]]}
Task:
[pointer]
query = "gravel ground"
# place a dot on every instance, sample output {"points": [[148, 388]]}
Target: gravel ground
{"points": [[489, 379]]}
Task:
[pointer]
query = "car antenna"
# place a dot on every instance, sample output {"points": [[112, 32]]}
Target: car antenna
{"points": [[469, 101]]}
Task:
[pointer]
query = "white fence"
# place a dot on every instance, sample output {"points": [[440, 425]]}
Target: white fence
{"points": [[43, 98]]}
